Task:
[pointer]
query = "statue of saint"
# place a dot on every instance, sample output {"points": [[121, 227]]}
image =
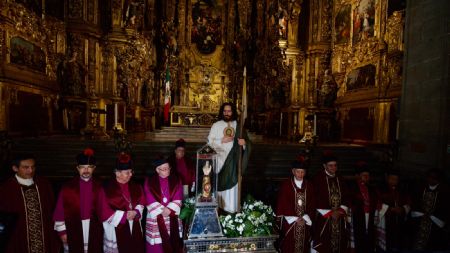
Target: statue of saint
{"points": [[71, 76], [206, 182], [328, 90]]}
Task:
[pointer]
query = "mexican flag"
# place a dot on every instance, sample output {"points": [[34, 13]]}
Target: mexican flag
{"points": [[167, 96]]}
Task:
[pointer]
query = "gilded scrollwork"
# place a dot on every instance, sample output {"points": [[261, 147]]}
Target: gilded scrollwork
{"points": [[327, 8], [75, 9], [133, 62], [365, 51], [391, 75], [2, 43], [394, 32], [294, 10]]}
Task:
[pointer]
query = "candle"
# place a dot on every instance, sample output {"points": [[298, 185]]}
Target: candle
{"points": [[315, 123], [116, 113]]}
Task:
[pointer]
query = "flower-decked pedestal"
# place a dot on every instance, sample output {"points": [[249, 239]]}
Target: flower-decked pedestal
{"points": [[260, 244], [247, 231]]}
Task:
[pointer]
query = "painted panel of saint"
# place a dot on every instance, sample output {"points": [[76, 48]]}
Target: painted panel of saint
{"points": [[206, 30], [27, 54], [363, 20], [342, 24], [362, 77]]}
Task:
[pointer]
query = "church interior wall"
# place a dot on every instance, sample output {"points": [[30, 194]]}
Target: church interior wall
{"points": [[341, 60], [301, 45], [327, 58]]}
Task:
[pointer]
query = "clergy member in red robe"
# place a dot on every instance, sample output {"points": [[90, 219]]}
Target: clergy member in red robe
{"points": [[30, 199], [183, 167], [395, 206], [364, 204], [296, 208], [164, 194], [331, 227], [121, 205], [75, 216], [430, 213]]}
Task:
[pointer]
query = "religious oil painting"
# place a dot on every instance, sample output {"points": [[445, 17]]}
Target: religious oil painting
{"points": [[27, 54], [342, 24], [362, 77], [363, 20], [206, 30]]}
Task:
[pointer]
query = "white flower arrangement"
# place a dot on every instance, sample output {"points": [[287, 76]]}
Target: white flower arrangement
{"points": [[256, 219]]}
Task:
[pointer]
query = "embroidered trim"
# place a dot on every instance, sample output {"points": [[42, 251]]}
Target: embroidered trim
{"points": [[299, 230], [428, 205], [33, 215]]}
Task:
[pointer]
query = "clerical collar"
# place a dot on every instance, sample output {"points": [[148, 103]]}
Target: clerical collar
{"points": [[298, 183], [23, 181], [433, 187], [329, 174], [85, 179]]}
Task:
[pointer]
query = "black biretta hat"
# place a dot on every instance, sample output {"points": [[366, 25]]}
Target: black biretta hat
{"points": [[301, 162], [361, 166], [86, 157], [328, 156], [180, 143], [124, 162]]}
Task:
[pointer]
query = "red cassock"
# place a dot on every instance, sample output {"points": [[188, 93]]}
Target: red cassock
{"points": [[115, 199], [330, 235], [33, 231], [71, 209], [364, 200], [183, 168], [295, 202], [394, 222]]}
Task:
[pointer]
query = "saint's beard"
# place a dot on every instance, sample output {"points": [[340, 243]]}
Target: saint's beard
{"points": [[227, 118]]}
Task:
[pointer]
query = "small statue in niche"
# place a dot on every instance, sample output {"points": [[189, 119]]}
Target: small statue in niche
{"points": [[71, 76], [282, 23], [130, 9], [123, 92], [206, 182], [328, 90], [144, 94]]}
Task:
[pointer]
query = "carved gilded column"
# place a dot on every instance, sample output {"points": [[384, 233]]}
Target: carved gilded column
{"points": [[244, 10], [292, 50], [3, 107], [182, 27], [381, 122], [291, 55]]}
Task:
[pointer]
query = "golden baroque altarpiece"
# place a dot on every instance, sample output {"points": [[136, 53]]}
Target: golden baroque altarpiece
{"points": [[85, 65]]}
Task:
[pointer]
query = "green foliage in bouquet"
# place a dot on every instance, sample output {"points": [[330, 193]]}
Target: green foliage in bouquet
{"points": [[187, 210], [255, 219]]}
